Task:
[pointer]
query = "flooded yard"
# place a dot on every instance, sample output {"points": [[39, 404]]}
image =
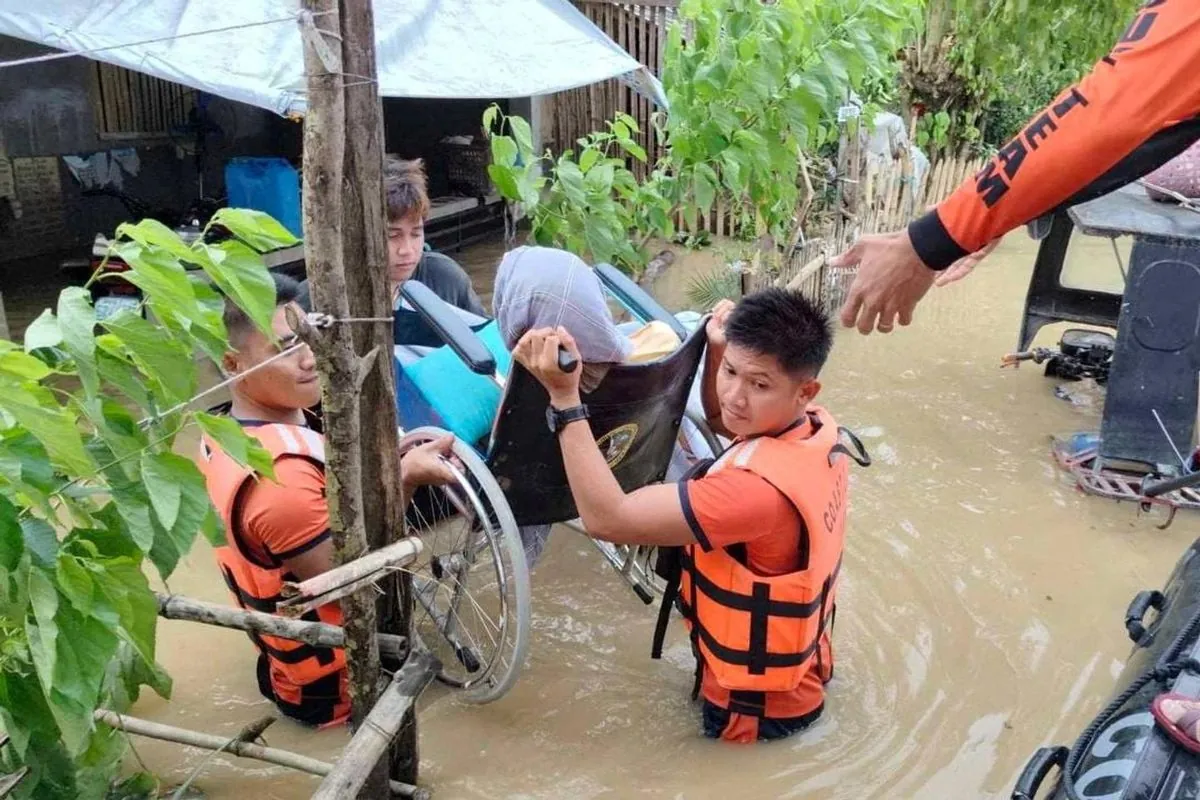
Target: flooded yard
{"points": [[980, 616]]}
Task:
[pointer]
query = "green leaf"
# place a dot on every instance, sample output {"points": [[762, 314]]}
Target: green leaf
{"points": [[150, 233], [505, 183], [236, 443], [12, 540], [489, 116], [161, 276], [214, 529], [160, 473], [53, 426], [172, 545], [588, 158], [41, 628], [258, 230], [240, 273], [523, 133], [123, 375], [43, 332], [22, 366], [159, 356], [133, 506], [40, 540], [77, 321], [571, 179], [504, 151]]}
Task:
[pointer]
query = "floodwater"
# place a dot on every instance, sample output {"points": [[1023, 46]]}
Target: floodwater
{"points": [[981, 614]]}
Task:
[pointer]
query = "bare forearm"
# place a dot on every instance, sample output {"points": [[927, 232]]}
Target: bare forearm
{"points": [[598, 496], [708, 390]]}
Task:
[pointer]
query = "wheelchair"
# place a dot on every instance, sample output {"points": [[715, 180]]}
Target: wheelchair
{"points": [[471, 584]]}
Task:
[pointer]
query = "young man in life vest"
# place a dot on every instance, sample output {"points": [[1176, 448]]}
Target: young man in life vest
{"points": [[279, 530], [761, 531]]}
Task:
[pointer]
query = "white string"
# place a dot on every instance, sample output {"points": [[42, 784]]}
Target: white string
{"points": [[72, 53], [223, 384], [316, 319]]}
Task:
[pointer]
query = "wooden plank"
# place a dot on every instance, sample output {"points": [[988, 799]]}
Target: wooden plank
{"points": [[242, 749]]}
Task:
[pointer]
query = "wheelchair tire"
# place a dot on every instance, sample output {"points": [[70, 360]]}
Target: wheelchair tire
{"points": [[472, 569]]}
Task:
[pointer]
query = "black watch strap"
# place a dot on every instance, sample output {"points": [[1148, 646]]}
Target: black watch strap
{"points": [[557, 419]]}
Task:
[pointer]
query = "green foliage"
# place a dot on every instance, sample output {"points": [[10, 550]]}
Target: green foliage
{"points": [[751, 88], [90, 490], [977, 54]]}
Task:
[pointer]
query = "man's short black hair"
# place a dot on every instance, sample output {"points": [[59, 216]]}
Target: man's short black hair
{"points": [[237, 324], [784, 324]]}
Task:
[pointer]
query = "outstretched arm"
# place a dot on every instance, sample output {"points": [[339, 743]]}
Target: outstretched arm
{"points": [[1137, 109]]}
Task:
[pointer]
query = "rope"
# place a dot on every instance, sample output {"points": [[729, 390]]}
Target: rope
{"points": [[19, 62], [315, 319]]}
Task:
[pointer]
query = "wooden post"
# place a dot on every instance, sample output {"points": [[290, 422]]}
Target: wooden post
{"points": [[347, 268], [380, 730], [370, 294]]}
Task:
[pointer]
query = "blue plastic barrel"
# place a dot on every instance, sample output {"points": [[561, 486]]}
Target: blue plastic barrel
{"points": [[270, 185]]}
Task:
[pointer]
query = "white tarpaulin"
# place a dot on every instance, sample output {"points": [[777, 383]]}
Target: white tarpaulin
{"points": [[426, 48]]}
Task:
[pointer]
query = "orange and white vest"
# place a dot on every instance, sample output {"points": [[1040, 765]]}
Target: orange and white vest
{"points": [[308, 682], [758, 633]]}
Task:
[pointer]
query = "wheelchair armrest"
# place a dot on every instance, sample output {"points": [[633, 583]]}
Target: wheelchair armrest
{"points": [[636, 299], [449, 327]]}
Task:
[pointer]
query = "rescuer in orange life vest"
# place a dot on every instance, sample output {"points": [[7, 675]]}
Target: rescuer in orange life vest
{"points": [[279, 530], [759, 535]]}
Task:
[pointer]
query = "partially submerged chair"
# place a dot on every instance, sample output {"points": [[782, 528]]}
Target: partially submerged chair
{"points": [[474, 568]]}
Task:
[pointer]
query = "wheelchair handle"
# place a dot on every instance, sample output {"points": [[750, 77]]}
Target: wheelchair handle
{"points": [[1135, 615], [1155, 488], [566, 361], [1039, 766]]}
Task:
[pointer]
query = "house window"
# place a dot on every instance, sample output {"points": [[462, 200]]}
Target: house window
{"points": [[130, 105]]}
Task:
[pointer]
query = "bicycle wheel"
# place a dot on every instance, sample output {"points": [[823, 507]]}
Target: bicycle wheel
{"points": [[470, 583]]}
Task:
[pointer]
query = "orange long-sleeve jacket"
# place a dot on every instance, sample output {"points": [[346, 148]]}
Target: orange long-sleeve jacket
{"points": [[1138, 108]]}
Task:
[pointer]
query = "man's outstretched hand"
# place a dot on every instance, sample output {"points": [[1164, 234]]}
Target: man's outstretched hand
{"points": [[891, 280]]}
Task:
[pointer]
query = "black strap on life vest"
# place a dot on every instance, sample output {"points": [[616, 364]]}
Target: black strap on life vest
{"points": [[294, 655], [760, 606], [668, 566], [862, 457]]}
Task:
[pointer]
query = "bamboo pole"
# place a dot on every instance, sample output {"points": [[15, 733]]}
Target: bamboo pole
{"points": [[258, 752], [332, 586], [380, 728], [317, 634]]}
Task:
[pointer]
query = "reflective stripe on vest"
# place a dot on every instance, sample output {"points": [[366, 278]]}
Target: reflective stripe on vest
{"points": [[761, 633], [255, 576]]}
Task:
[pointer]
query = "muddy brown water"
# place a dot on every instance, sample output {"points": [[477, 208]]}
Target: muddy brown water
{"points": [[981, 615]]}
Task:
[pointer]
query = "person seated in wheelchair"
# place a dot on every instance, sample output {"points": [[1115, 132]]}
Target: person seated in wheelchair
{"points": [[406, 198], [757, 536], [544, 287], [278, 530]]}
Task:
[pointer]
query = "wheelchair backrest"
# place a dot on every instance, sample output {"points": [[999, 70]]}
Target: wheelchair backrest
{"points": [[635, 416]]}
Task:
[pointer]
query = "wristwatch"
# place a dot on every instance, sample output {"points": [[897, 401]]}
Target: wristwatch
{"points": [[557, 419]]}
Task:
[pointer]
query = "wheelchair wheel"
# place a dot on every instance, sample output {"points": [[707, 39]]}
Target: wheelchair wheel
{"points": [[471, 583]]}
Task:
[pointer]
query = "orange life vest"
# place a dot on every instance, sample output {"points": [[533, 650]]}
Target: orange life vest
{"points": [[307, 683], [758, 633]]}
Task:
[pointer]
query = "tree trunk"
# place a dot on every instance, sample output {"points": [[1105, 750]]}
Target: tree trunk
{"points": [[346, 264], [369, 291]]}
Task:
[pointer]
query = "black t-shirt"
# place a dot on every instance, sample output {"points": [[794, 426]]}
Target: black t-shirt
{"points": [[441, 274]]}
